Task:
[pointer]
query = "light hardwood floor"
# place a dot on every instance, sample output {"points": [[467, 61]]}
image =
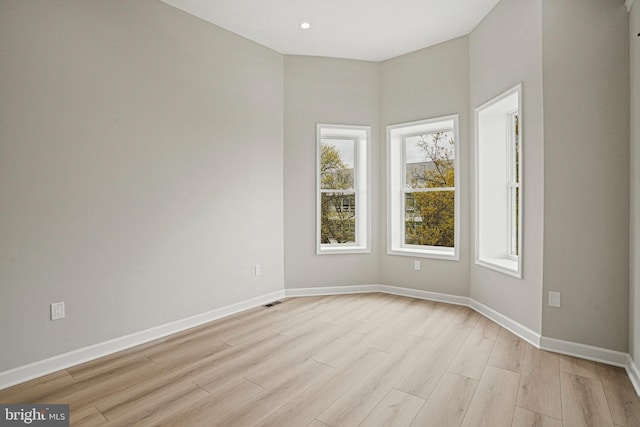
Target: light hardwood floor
{"points": [[347, 360]]}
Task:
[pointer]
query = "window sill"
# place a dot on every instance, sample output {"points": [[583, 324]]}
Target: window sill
{"points": [[333, 250], [449, 254], [507, 266]]}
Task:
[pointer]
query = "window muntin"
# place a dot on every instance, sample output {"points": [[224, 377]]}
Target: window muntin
{"points": [[343, 200], [422, 188]]}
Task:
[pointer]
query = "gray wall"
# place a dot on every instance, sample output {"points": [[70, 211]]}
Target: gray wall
{"points": [[429, 83], [140, 171], [586, 195], [335, 91], [504, 51], [634, 315]]}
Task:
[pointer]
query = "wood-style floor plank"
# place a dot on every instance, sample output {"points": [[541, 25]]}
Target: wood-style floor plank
{"points": [[353, 407], [426, 373], [284, 388], [34, 390], [397, 409], [436, 321], [540, 383], [474, 354], [573, 365], [152, 409], [87, 417], [493, 403], [146, 396], [306, 406], [448, 403], [621, 396], [583, 402], [525, 418], [343, 360], [222, 400], [508, 353]]}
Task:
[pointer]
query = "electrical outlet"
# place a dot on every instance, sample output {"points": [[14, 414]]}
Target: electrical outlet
{"points": [[258, 270], [417, 265], [554, 299], [57, 311]]}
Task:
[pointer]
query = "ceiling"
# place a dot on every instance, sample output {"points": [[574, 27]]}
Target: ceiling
{"points": [[372, 30]]}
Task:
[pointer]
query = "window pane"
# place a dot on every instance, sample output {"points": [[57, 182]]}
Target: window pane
{"points": [[338, 218], [515, 221], [429, 160], [516, 151], [429, 218], [337, 164]]}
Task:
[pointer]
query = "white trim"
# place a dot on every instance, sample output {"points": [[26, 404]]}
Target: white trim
{"points": [[361, 137], [395, 188], [85, 354], [628, 3], [392, 290], [426, 295], [634, 373], [584, 351], [494, 263], [332, 290], [516, 328]]}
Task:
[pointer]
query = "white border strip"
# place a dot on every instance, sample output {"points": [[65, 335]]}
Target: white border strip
{"points": [[634, 373], [426, 295], [516, 328], [85, 354], [584, 351], [332, 290]]}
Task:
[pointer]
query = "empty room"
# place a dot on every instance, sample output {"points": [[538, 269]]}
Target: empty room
{"points": [[320, 213]]}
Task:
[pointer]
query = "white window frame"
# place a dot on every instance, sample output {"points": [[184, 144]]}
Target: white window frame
{"points": [[397, 188], [361, 135], [495, 133]]}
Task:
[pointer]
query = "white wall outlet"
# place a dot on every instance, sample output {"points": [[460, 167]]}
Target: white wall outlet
{"points": [[554, 299], [257, 270], [57, 311], [417, 265]]}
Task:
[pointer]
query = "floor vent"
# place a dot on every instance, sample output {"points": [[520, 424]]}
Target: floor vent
{"points": [[271, 304]]}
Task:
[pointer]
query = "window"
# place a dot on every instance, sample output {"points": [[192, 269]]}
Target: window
{"points": [[343, 189], [498, 148], [422, 184]]}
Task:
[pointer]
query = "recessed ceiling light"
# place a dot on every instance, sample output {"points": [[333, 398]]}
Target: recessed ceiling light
{"points": [[305, 25]]}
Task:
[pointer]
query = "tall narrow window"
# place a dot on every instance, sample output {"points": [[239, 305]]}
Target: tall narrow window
{"points": [[342, 189], [423, 201], [498, 149]]}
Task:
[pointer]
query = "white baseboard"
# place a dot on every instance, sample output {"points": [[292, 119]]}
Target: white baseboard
{"points": [[516, 328], [425, 295], [75, 357], [393, 290], [634, 373], [584, 351], [332, 290]]}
